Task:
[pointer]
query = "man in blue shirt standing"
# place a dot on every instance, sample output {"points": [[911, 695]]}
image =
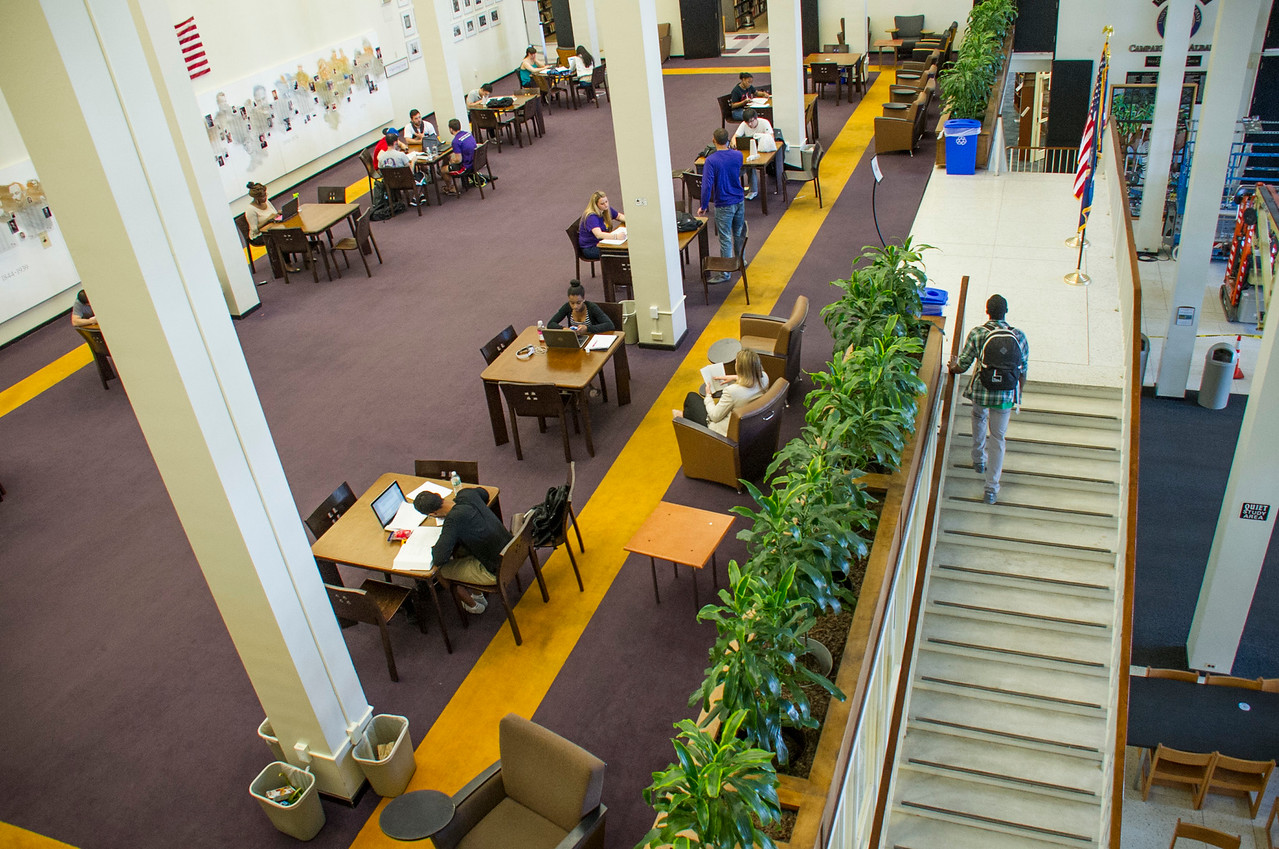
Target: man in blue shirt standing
{"points": [[722, 186], [1002, 355]]}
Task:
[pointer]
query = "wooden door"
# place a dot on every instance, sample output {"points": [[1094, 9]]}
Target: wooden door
{"points": [[703, 28]]}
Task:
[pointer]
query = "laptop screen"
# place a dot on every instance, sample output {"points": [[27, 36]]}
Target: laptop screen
{"points": [[290, 208], [386, 504], [743, 143]]}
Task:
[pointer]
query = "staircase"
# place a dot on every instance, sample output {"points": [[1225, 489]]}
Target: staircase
{"points": [[1009, 709]]}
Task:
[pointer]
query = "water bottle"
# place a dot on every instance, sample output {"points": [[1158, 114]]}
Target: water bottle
{"points": [[455, 479], [541, 339]]}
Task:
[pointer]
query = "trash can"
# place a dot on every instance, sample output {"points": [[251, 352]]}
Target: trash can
{"points": [[1145, 355], [389, 774], [961, 145], [1219, 371], [934, 301], [267, 733], [630, 324], [298, 815]]}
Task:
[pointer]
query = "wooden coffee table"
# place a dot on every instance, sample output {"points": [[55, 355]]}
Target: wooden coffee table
{"points": [[682, 535]]}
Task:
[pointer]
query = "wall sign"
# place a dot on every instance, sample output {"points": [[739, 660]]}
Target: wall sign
{"points": [[1185, 316], [1258, 512]]}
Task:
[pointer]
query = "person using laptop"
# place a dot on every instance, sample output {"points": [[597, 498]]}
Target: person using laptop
{"points": [[417, 127], [598, 222], [583, 316], [467, 521], [711, 410], [258, 213], [582, 64], [528, 66], [755, 127], [478, 96]]}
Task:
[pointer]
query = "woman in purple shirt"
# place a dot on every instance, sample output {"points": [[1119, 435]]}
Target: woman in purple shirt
{"points": [[598, 221]]}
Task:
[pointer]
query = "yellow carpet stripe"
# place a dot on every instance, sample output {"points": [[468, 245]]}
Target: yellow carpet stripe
{"points": [[509, 678], [27, 388], [13, 837]]}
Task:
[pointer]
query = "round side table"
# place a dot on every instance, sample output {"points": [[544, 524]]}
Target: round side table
{"points": [[724, 350], [416, 815]]}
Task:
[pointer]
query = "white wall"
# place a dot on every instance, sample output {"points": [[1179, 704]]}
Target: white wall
{"points": [[668, 13]]}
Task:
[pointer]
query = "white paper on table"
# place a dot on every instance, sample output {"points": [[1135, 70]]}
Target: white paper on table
{"points": [[406, 518], [439, 489], [758, 101], [712, 371], [600, 342], [415, 553], [620, 241]]}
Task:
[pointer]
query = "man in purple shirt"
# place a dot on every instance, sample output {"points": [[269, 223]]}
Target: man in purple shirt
{"points": [[463, 157], [722, 186]]}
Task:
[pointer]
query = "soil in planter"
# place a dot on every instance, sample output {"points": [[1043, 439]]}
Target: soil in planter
{"points": [[831, 631], [782, 829]]}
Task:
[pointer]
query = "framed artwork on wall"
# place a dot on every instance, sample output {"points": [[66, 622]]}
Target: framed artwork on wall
{"points": [[484, 20], [493, 18], [457, 8], [471, 27], [457, 31], [410, 26], [413, 47]]}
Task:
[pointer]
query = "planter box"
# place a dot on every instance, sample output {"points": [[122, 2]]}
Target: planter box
{"points": [[989, 119]]}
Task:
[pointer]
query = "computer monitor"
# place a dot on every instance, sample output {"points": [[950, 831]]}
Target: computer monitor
{"points": [[388, 503]]}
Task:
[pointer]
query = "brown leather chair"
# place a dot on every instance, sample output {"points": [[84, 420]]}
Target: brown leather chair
{"points": [[664, 41], [778, 340], [754, 432], [373, 603], [101, 355], [362, 243], [909, 28], [543, 794], [901, 126]]}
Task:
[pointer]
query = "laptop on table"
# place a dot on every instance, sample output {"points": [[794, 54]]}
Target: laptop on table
{"points": [[289, 209], [558, 338], [394, 512]]}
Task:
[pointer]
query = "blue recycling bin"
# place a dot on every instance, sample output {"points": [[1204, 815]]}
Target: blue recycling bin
{"points": [[961, 145], [934, 301]]}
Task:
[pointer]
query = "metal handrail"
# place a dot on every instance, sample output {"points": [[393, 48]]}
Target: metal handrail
{"points": [[1042, 160]]}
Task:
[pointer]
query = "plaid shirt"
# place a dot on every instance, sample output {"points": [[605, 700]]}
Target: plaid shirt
{"points": [[976, 391]]}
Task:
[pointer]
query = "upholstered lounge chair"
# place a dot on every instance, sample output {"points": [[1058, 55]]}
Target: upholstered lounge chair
{"points": [[754, 432]]}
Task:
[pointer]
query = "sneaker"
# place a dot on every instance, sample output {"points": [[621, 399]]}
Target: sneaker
{"points": [[990, 498], [480, 599], [473, 608], [979, 468], [752, 195], [720, 278]]}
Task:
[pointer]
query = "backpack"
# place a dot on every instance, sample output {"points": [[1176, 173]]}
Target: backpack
{"points": [[686, 222], [547, 518], [381, 208], [1000, 361], [500, 102]]}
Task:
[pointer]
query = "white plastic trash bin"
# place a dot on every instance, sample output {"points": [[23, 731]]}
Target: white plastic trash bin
{"points": [[630, 324], [302, 816], [390, 775], [267, 733]]}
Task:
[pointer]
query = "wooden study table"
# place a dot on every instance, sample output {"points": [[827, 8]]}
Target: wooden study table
{"points": [[517, 101], [569, 369], [890, 44], [810, 114], [420, 161], [316, 218], [357, 539], [761, 165], [854, 64], [682, 535], [557, 73], [623, 250]]}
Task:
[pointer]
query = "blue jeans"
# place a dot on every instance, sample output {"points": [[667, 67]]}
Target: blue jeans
{"points": [[730, 221], [737, 113]]}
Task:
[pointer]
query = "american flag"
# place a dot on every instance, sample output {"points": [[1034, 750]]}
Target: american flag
{"points": [[1091, 142], [192, 48]]}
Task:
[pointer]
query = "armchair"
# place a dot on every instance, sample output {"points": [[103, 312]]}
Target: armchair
{"points": [[777, 340], [754, 432], [544, 793], [901, 125], [909, 28]]}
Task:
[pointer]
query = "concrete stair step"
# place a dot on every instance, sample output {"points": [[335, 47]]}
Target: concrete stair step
{"points": [[1021, 606], [907, 831], [1061, 439], [979, 717], [1103, 413], [1052, 820], [1002, 765], [1031, 500], [1040, 571], [1087, 473], [995, 524], [1013, 642], [1114, 393], [1054, 689]]}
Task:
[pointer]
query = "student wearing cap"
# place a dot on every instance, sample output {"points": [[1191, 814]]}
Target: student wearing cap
{"points": [[395, 155], [385, 142], [468, 521]]}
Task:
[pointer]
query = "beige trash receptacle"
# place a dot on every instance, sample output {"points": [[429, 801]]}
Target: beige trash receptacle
{"points": [[299, 816], [390, 775]]}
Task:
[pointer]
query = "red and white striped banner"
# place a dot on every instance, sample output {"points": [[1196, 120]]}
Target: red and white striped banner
{"points": [[192, 48]]}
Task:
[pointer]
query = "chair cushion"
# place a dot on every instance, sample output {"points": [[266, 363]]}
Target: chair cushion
{"points": [[761, 343], [909, 26], [511, 824], [548, 774]]}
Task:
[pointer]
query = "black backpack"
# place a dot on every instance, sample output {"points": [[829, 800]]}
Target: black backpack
{"points": [[500, 102], [1000, 362], [547, 518]]}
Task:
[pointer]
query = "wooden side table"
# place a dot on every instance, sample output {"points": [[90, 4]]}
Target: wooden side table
{"points": [[684, 536]]}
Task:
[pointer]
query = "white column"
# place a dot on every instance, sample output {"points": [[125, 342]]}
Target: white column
{"points": [[1228, 73], [786, 61], [1148, 230], [443, 77], [129, 219], [1242, 538], [644, 164], [585, 27]]}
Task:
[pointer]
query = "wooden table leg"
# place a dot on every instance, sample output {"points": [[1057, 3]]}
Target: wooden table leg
{"points": [[763, 183], [621, 376], [494, 398], [652, 564], [714, 570], [697, 605], [583, 404], [439, 611]]}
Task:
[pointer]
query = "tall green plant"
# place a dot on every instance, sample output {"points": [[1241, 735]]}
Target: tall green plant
{"points": [[707, 798], [883, 295]]}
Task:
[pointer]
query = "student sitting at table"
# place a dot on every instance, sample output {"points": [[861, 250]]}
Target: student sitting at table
{"points": [[528, 66], [735, 391], [462, 159], [583, 316], [82, 312], [477, 96], [395, 155], [753, 126], [582, 64], [416, 128], [470, 522], [258, 213], [742, 94], [599, 221]]}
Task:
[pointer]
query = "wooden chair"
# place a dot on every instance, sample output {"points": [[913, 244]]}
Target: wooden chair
{"points": [[810, 158], [836, 48], [777, 339], [1211, 836], [101, 355], [1173, 674], [362, 243], [1235, 776], [286, 241], [754, 432], [578, 257], [726, 265], [1269, 685], [1171, 766], [600, 82], [526, 118], [549, 91], [824, 74], [321, 519], [331, 194], [467, 470], [242, 225], [370, 167], [374, 603], [615, 269], [400, 182], [1231, 681], [498, 344], [519, 549], [496, 123], [561, 538], [541, 401], [725, 110], [479, 163], [1270, 821]]}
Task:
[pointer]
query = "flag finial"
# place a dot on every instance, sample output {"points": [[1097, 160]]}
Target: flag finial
{"points": [[1109, 31]]}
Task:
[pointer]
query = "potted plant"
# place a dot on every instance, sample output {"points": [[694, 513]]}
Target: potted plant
{"points": [[719, 794]]}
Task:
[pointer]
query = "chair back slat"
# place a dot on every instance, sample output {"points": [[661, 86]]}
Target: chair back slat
{"points": [[331, 194], [1211, 836], [467, 470], [352, 603], [324, 516], [498, 344], [533, 399]]}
